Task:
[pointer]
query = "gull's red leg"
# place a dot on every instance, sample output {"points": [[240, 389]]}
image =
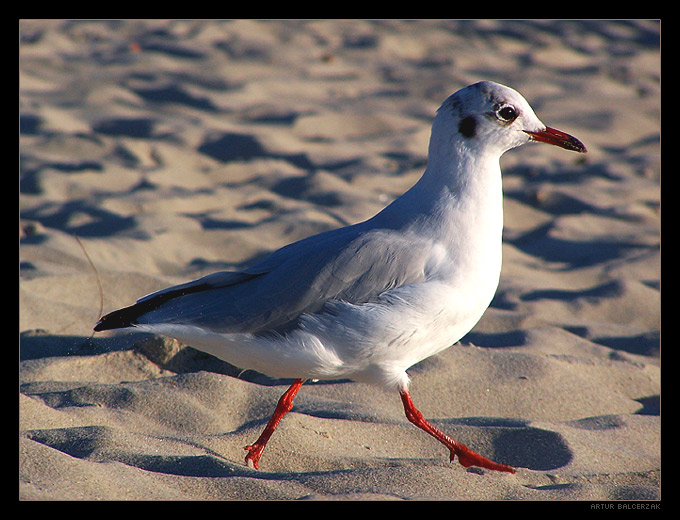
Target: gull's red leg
{"points": [[282, 408], [466, 456]]}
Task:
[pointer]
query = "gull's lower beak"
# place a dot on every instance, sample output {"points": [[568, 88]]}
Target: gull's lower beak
{"points": [[558, 138]]}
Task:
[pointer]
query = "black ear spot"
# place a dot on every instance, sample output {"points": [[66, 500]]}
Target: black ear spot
{"points": [[467, 126]]}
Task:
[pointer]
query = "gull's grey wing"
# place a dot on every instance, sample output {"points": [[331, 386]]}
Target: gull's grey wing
{"points": [[353, 264]]}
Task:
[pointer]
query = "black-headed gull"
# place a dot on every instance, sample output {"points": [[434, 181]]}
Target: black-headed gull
{"points": [[368, 301]]}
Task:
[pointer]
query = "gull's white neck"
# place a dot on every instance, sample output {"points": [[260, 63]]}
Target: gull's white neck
{"points": [[458, 206], [459, 196]]}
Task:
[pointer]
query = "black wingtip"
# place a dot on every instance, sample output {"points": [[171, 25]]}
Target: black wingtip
{"points": [[127, 316], [120, 319]]}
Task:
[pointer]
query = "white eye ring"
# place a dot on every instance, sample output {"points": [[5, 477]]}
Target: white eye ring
{"points": [[507, 113]]}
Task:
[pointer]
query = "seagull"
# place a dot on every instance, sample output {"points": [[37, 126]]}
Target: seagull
{"points": [[367, 301]]}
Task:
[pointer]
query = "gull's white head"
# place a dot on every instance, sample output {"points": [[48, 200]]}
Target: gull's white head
{"points": [[487, 117]]}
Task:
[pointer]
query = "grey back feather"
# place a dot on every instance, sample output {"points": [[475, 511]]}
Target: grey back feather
{"points": [[351, 264]]}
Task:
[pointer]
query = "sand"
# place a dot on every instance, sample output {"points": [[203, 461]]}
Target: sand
{"points": [[172, 149]]}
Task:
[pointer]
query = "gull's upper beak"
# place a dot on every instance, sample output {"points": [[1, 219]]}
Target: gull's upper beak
{"points": [[558, 138]]}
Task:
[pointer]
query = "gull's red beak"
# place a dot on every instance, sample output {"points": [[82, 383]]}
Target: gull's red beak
{"points": [[558, 138]]}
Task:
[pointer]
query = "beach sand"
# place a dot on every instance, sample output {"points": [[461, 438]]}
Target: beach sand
{"points": [[166, 150]]}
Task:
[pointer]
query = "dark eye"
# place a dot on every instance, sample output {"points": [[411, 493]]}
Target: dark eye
{"points": [[507, 113]]}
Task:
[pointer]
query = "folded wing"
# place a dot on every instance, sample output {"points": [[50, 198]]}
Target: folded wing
{"points": [[352, 264]]}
